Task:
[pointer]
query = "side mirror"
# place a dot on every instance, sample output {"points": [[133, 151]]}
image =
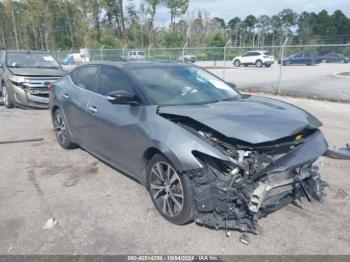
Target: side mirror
{"points": [[232, 85], [121, 97]]}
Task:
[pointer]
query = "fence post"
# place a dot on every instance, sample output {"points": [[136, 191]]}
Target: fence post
{"points": [[225, 50], [149, 51], [183, 52], [281, 65], [101, 52], [124, 51]]}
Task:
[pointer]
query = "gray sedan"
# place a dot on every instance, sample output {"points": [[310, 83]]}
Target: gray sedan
{"points": [[204, 151]]}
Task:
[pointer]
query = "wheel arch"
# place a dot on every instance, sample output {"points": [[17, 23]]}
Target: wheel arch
{"points": [[149, 154]]}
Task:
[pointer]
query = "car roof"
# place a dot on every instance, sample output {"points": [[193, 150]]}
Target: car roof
{"points": [[135, 64], [262, 51]]}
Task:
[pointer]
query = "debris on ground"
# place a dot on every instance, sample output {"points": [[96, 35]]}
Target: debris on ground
{"points": [[339, 153], [50, 223], [244, 239]]}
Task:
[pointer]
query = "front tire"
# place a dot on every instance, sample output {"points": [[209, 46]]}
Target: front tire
{"points": [[8, 103], [61, 130], [171, 192], [237, 63]]}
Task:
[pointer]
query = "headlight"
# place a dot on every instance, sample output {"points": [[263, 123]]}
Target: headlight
{"points": [[16, 79]]}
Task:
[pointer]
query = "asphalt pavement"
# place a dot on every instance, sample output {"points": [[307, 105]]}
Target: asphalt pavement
{"points": [[318, 81]]}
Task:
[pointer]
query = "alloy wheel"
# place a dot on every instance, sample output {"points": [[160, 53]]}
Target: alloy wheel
{"points": [[60, 127], [166, 189]]}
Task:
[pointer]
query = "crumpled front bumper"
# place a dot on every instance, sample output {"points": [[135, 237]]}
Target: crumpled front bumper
{"points": [[239, 206], [30, 97]]}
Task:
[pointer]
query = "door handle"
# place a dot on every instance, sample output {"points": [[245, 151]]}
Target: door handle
{"points": [[93, 109], [66, 96]]}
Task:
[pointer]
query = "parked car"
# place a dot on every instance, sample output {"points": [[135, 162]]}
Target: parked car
{"points": [[258, 58], [334, 58], [76, 58], [25, 77], [135, 55], [188, 59], [204, 151], [301, 59]]}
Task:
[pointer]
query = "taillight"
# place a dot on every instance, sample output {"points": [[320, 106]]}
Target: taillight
{"points": [[51, 87]]}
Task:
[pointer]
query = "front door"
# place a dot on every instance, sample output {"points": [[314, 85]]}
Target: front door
{"points": [[75, 100], [115, 133]]}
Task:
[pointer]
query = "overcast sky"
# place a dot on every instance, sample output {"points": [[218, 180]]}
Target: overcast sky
{"points": [[228, 9]]}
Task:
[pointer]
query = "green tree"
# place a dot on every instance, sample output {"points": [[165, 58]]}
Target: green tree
{"points": [[288, 19], [216, 40], [341, 24], [153, 4], [176, 8]]}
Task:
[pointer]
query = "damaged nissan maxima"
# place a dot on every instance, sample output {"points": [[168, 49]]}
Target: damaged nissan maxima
{"points": [[205, 152]]}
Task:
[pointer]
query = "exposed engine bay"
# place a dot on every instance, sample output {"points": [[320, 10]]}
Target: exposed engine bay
{"points": [[256, 180]]}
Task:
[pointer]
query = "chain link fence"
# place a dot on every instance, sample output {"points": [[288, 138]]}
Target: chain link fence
{"points": [[317, 71]]}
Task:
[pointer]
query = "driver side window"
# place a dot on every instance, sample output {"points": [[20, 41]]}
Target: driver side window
{"points": [[112, 79]]}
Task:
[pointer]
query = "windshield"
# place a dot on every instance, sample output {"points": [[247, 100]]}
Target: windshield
{"points": [[31, 60], [179, 85]]}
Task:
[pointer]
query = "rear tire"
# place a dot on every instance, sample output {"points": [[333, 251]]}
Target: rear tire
{"points": [[61, 130], [268, 65], [259, 63], [237, 63], [170, 191], [7, 100]]}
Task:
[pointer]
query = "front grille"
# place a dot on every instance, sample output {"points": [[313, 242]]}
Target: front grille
{"points": [[39, 82]]}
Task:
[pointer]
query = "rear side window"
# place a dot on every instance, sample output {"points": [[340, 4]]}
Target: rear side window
{"points": [[267, 53], [86, 77], [112, 79]]}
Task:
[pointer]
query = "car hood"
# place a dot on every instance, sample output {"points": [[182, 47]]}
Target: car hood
{"points": [[37, 71], [253, 120]]}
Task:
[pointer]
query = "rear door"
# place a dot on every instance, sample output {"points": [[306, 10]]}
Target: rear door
{"points": [[114, 132], [298, 59], [255, 56], [75, 99]]}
